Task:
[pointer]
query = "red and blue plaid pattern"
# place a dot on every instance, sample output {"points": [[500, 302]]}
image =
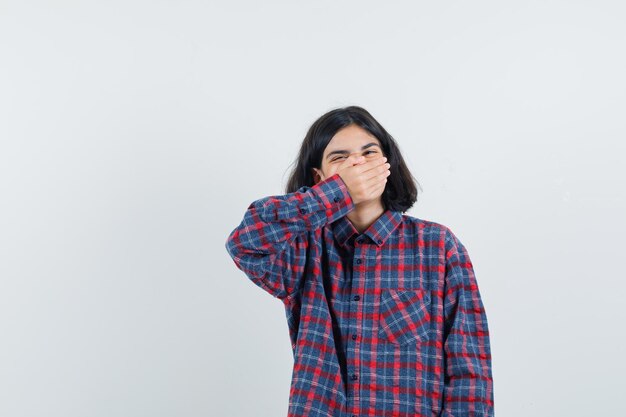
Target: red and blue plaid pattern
{"points": [[388, 322]]}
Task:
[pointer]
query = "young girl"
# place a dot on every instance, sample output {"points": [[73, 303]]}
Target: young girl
{"points": [[384, 313]]}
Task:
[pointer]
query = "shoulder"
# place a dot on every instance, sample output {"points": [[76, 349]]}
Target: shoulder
{"points": [[426, 225], [432, 230]]}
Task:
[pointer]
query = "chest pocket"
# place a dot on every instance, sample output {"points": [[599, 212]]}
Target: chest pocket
{"points": [[404, 315]]}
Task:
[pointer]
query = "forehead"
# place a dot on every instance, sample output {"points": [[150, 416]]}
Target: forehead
{"points": [[351, 139]]}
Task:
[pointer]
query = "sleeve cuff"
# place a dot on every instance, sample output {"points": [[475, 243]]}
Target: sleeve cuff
{"points": [[333, 194]]}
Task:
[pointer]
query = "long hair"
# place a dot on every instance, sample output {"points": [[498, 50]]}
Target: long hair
{"points": [[401, 189]]}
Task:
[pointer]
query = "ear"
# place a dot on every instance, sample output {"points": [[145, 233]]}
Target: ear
{"points": [[317, 176]]}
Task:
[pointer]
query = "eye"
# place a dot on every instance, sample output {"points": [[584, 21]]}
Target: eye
{"points": [[366, 153]]}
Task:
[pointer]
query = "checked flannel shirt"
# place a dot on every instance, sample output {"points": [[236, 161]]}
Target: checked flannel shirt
{"points": [[388, 322]]}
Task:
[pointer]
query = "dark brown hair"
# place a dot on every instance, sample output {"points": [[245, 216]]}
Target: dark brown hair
{"points": [[401, 190]]}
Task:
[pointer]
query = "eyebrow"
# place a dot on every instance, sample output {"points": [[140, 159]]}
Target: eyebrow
{"points": [[344, 152]]}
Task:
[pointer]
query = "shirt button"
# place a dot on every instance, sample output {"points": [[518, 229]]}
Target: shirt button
{"points": [[353, 337], [302, 210], [354, 377], [358, 261], [336, 199], [380, 241], [360, 240], [356, 297]]}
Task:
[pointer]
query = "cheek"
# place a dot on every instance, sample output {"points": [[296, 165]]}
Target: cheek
{"points": [[330, 170]]}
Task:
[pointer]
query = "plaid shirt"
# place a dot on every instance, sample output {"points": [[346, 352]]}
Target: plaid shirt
{"points": [[388, 322]]}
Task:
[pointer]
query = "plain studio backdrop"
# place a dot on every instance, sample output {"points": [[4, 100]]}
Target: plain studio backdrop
{"points": [[134, 134]]}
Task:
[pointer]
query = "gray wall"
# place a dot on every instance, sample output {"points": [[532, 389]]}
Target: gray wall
{"points": [[134, 134]]}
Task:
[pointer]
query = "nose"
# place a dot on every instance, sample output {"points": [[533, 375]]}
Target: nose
{"points": [[353, 157]]}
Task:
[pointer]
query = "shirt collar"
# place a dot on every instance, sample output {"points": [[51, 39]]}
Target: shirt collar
{"points": [[378, 232]]}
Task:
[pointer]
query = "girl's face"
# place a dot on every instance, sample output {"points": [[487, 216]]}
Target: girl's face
{"points": [[349, 140]]}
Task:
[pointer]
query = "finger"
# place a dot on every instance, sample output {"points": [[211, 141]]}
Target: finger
{"points": [[372, 163], [377, 178], [378, 189], [376, 171]]}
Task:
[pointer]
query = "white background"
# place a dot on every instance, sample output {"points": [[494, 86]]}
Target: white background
{"points": [[135, 133]]}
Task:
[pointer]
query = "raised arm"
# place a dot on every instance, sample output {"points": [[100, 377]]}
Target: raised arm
{"points": [[271, 243], [468, 389]]}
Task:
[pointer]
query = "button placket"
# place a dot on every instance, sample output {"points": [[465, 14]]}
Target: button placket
{"points": [[357, 279]]}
